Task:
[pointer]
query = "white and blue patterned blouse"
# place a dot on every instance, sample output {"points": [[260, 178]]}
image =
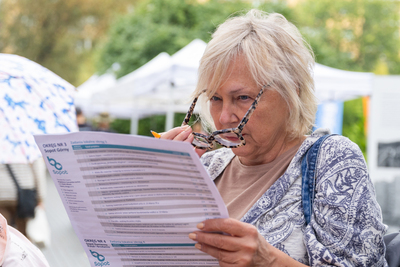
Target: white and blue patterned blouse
{"points": [[346, 226]]}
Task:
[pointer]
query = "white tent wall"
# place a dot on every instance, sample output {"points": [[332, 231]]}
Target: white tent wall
{"points": [[333, 84], [384, 145], [87, 91]]}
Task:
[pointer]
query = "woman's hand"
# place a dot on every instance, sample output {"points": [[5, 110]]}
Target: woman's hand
{"points": [[244, 247], [183, 133]]}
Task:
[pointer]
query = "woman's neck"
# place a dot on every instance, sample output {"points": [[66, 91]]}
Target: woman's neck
{"points": [[273, 154]]}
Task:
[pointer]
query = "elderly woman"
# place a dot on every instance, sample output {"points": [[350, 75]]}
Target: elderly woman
{"points": [[256, 79]]}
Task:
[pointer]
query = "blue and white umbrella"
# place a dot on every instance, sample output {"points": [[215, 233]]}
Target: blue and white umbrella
{"points": [[33, 100]]}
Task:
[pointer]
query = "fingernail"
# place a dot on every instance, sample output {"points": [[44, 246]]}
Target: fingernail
{"points": [[198, 246], [185, 127], [192, 236], [200, 225]]}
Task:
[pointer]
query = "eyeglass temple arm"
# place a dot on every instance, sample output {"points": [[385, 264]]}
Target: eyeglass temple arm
{"points": [[191, 109], [252, 108]]}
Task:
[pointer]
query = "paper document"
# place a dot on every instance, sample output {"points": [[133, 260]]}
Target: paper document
{"points": [[132, 200]]}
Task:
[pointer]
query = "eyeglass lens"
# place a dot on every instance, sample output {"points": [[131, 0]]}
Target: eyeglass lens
{"points": [[228, 139], [200, 142], [225, 139]]}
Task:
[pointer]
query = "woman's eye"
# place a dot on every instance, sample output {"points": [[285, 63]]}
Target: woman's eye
{"points": [[244, 97], [215, 98]]}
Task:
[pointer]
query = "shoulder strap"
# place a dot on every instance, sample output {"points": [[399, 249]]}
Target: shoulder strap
{"points": [[308, 165], [35, 178], [10, 171]]}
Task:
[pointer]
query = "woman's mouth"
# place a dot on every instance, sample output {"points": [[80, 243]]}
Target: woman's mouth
{"points": [[231, 137]]}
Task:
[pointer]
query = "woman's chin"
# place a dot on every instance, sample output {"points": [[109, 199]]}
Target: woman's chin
{"points": [[242, 151]]}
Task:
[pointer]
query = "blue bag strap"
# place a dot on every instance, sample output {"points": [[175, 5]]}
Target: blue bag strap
{"points": [[308, 165]]}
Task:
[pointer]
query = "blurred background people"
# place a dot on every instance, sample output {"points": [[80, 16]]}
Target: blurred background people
{"points": [[103, 122], [83, 125], [28, 176]]}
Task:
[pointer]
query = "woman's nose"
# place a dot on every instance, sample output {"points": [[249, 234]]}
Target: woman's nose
{"points": [[228, 116]]}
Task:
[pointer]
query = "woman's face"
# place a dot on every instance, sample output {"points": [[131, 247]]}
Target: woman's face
{"points": [[265, 132]]}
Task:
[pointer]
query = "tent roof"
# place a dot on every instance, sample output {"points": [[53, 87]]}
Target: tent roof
{"points": [[185, 63], [335, 84], [94, 85], [162, 80]]}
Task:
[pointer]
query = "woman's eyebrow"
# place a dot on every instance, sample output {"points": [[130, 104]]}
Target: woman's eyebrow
{"points": [[238, 90]]}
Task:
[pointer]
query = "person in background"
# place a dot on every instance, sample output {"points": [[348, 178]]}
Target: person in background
{"points": [[29, 176], [103, 124], [17, 250], [257, 90], [83, 125]]}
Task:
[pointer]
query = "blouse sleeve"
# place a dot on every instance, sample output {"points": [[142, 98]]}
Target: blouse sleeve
{"points": [[346, 226]]}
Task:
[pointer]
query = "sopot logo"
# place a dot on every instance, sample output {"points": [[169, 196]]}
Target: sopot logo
{"points": [[100, 258], [57, 166]]}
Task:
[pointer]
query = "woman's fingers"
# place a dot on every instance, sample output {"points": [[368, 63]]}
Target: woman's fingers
{"points": [[229, 250], [177, 133], [225, 258], [243, 247], [236, 233], [229, 226], [183, 133], [220, 241]]}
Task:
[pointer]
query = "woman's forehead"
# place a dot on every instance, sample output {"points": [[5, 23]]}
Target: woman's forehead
{"points": [[237, 79], [236, 89]]}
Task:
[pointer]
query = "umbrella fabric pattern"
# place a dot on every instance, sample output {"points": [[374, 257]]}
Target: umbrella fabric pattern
{"points": [[33, 100]]}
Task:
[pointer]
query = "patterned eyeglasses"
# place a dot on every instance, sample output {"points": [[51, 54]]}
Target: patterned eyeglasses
{"points": [[231, 137]]}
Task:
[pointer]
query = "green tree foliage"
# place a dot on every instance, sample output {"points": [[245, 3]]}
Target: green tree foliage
{"points": [[280, 7], [121, 126], [166, 26], [352, 35], [158, 26], [155, 123], [356, 35], [353, 123], [60, 35]]}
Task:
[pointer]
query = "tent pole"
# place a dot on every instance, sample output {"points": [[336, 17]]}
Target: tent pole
{"points": [[169, 124], [134, 123]]}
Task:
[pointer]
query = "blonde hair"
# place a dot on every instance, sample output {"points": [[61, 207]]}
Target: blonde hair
{"points": [[275, 53]]}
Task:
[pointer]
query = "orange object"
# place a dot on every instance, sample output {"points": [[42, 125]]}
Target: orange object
{"points": [[156, 135]]}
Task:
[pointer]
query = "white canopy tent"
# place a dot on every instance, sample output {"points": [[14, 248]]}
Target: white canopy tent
{"points": [[86, 91], [334, 84], [140, 81], [165, 84]]}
